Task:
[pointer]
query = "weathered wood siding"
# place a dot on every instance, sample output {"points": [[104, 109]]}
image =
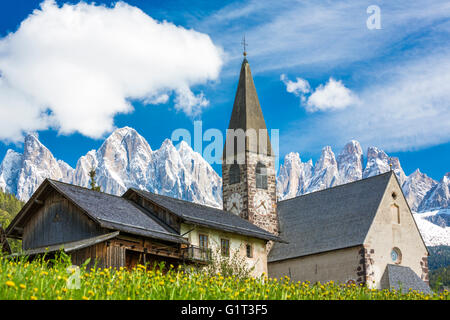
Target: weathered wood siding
{"points": [[97, 253], [57, 221], [157, 211], [115, 256]]}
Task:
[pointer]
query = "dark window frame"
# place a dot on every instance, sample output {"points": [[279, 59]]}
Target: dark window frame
{"points": [[234, 174], [225, 250], [261, 176], [201, 243], [249, 253]]}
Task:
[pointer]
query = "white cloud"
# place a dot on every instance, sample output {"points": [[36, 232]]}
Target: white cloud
{"points": [[333, 96], [408, 110], [74, 67], [190, 103], [299, 87], [303, 34]]}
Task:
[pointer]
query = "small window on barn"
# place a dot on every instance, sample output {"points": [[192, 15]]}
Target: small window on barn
{"points": [[261, 176], [225, 247], [235, 173], [57, 217], [395, 214], [249, 250]]}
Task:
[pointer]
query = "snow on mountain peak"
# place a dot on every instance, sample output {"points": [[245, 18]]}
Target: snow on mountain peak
{"points": [[23, 173], [350, 162], [326, 173], [438, 197], [379, 162], [293, 177], [416, 187], [9, 171]]}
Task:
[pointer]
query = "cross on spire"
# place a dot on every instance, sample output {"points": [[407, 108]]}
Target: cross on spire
{"points": [[244, 44]]}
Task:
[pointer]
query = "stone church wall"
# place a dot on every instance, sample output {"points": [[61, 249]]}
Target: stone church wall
{"points": [[394, 228], [344, 266]]}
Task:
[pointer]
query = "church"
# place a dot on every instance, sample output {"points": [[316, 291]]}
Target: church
{"points": [[362, 232]]}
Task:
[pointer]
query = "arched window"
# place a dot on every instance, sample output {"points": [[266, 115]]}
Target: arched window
{"points": [[261, 176], [235, 173], [395, 214]]}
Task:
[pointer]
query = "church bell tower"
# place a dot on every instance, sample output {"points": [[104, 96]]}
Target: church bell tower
{"points": [[248, 167]]}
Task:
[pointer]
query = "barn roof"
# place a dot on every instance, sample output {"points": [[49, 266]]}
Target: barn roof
{"points": [[206, 216], [109, 211], [402, 278], [115, 212], [69, 246], [330, 219]]}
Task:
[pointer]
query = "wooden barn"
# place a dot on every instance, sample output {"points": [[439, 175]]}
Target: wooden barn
{"points": [[124, 231], [4, 245]]}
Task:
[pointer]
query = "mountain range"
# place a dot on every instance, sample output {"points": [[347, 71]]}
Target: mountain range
{"points": [[296, 177], [125, 159]]}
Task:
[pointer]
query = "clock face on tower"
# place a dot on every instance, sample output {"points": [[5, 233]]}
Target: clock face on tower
{"points": [[262, 202], [235, 203]]}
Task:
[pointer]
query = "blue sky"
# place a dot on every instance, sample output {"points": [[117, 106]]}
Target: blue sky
{"points": [[387, 87]]}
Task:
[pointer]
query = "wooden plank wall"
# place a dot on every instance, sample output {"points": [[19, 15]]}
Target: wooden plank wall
{"points": [[97, 253], [58, 221], [115, 256], [163, 215]]}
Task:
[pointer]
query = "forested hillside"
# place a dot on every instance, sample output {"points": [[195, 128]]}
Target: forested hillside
{"points": [[9, 207], [439, 267]]}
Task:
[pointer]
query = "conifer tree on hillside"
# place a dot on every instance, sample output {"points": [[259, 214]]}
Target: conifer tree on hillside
{"points": [[93, 182], [9, 207]]}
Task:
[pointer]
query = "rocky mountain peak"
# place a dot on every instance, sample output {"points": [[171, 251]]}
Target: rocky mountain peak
{"points": [[438, 197], [350, 162]]}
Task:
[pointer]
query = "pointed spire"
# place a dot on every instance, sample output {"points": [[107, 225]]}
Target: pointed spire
{"points": [[247, 113]]}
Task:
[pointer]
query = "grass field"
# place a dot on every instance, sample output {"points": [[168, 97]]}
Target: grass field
{"points": [[56, 280]]}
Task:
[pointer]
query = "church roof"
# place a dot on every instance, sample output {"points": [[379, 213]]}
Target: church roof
{"points": [[330, 219], [247, 113], [402, 279], [207, 216]]}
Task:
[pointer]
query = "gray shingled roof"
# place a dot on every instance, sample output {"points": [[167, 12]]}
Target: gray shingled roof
{"points": [[207, 216], [403, 278], [115, 212], [329, 219]]}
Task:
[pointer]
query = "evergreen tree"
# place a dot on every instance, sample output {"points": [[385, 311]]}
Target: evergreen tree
{"points": [[93, 183], [9, 207]]}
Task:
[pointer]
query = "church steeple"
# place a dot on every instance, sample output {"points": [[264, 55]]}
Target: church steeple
{"points": [[247, 113], [248, 173]]}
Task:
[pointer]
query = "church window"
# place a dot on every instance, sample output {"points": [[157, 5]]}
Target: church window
{"points": [[249, 250], [261, 176], [396, 255], [225, 247], [235, 173], [394, 195], [395, 214]]}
